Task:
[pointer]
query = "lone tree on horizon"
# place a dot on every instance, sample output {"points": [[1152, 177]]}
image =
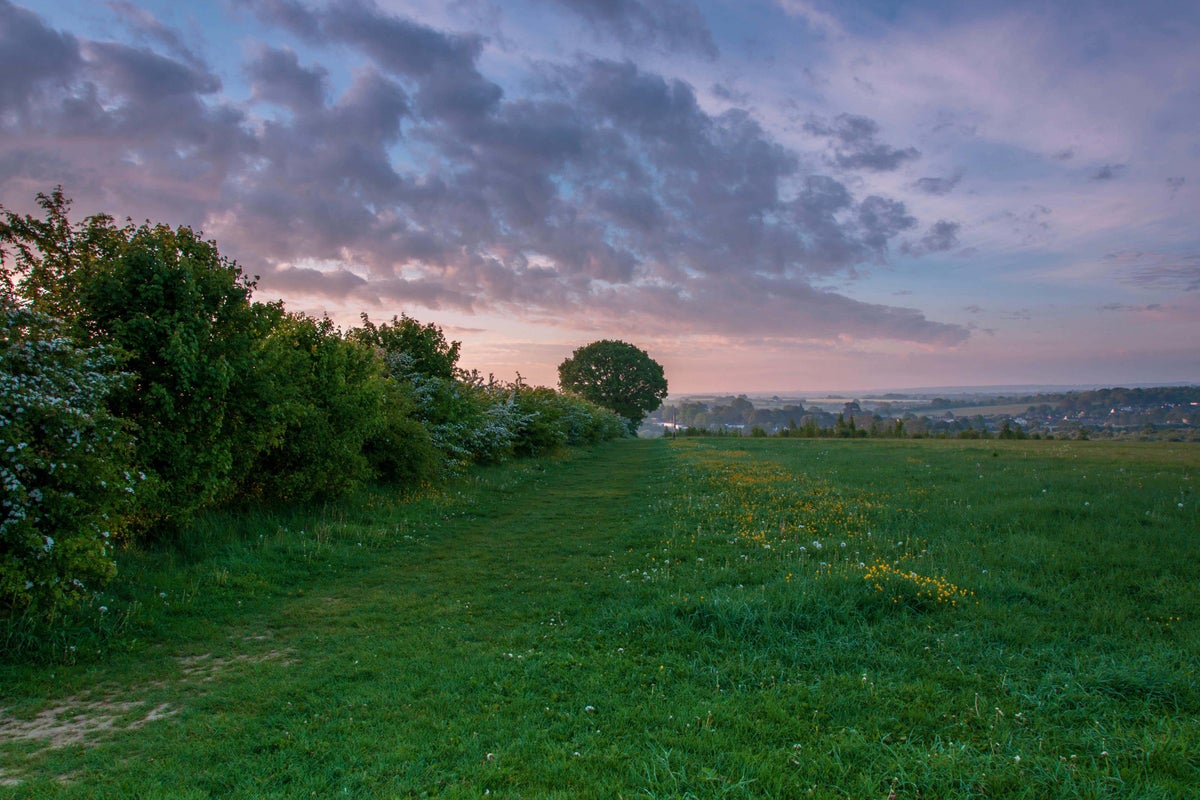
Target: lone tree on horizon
{"points": [[617, 376]]}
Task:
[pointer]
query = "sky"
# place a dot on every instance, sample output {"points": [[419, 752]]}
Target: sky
{"points": [[781, 196]]}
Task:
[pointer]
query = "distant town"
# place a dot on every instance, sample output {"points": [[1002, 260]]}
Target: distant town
{"points": [[1141, 413]]}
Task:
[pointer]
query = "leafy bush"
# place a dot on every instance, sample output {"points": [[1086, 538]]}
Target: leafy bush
{"points": [[553, 419], [401, 451], [469, 420], [181, 316], [178, 315], [327, 401], [65, 477], [424, 345]]}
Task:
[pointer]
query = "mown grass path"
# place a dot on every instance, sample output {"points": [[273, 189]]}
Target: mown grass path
{"points": [[720, 618], [417, 665]]}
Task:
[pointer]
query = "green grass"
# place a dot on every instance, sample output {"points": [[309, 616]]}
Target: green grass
{"points": [[652, 619]]}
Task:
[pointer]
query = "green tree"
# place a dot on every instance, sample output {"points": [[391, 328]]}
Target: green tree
{"points": [[617, 376], [422, 348]]}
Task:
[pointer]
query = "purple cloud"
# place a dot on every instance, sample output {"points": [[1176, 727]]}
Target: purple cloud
{"points": [[1172, 271], [1108, 172], [855, 145], [33, 57], [942, 236], [940, 186], [605, 192], [674, 26]]}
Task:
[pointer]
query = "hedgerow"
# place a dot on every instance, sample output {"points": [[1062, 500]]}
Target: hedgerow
{"points": [[141, 384]]}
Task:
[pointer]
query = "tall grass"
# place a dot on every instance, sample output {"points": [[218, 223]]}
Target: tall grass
{"points": [[655, 619]]}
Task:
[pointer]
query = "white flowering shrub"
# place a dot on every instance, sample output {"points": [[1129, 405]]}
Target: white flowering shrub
{"points": [[475, 420], [468, 420], [552, 419], [65, 477]]}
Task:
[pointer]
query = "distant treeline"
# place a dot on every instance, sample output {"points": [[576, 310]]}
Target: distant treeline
{"points": [[867, 426], [1085, 400], [1101, 411], [141, 384]]}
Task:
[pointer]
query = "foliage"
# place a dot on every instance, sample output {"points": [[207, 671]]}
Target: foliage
{"points": [[329, 400], [179, 316], [616, 375], [400, 451], [425, 346], [552, 420], [65, 477], [470, 419], [467, 420], [53, 259]]}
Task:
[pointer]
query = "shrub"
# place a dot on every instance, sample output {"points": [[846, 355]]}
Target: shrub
{"points": [[544, 416], [401, 450], [327, 401], [424, 345], [179, 317], [65, 479]]}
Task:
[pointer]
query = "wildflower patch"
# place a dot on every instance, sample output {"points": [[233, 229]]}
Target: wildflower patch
{"points": [[798, 523]]}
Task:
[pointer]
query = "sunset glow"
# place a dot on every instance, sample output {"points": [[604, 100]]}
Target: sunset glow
{"points": [[773, 195]]}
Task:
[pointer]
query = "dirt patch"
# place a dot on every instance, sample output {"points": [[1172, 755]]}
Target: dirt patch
{"points": [[207, 667], [80, 721], [75, 722]]}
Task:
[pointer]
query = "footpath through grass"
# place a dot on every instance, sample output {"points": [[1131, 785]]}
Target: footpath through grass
{"points": [[716, 618]]}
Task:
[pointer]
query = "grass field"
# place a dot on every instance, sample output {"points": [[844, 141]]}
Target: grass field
{"points": [[654, 619]]}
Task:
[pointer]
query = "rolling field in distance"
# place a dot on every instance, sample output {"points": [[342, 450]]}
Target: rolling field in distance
{"points": [[655, 619]]}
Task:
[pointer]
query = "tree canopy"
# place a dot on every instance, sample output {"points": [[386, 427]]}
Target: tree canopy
{"points": [[617, 376]]}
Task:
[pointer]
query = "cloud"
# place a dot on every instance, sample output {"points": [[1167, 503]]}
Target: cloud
{"points": [[819, 21], [144, 77], [942, 236], [33, 57], [603, 193], [450, 85], [1030, 225], [148, 28], [1108, 172], [277, 77], [1149, 307], [855, 146], [730, 94], [1170, 271], [674, 26], [940, 186]]}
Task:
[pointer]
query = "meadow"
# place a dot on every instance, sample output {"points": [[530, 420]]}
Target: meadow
{"points": [[653, 619]]}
